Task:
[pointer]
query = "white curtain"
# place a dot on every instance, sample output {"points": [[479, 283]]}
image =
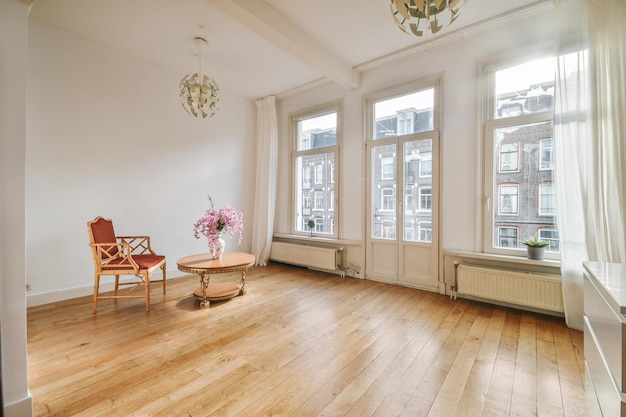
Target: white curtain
{"points": [[607, 205], [589, 141], [266, 167]]}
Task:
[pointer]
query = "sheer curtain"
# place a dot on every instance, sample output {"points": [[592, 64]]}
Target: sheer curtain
{"points": [[607, 242], [589, 141], [266, 165]]}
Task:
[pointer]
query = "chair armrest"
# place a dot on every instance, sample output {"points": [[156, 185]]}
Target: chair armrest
{"points": [[114, 255], [139, 245]]}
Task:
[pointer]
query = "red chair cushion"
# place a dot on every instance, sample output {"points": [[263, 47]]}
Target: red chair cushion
{"points": [[147, 261], [103, 232], [144, 262]]}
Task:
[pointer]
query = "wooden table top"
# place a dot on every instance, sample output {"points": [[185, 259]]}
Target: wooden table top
{"points": [[203, 263]]}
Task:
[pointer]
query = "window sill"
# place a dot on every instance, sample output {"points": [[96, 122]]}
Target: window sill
{"points": [[549, 263], [316, 239]]}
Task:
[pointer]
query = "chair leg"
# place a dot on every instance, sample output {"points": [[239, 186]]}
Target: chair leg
{"points": [[147, 285], [163, 269], [96, 288], [117, 283]]}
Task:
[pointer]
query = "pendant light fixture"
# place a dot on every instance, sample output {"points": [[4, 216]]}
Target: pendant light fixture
{"points": [[414, 16], [199, 93]]}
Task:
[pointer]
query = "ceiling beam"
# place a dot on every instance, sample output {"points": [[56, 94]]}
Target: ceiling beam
{"points": [[271, 24]]}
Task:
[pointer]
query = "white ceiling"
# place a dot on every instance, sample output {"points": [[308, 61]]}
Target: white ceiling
{"points": [[258, 47]]}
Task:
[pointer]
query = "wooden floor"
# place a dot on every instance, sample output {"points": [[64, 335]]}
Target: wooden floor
{"points": [[301, 343]]}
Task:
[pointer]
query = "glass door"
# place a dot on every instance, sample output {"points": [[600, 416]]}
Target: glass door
{"points": [[403, 191]]}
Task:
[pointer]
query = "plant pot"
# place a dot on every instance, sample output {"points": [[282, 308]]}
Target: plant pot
{"points": [[535, 252]]}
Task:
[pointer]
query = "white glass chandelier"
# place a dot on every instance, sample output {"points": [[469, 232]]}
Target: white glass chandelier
{"points": [[199, 93], [413, 16]]}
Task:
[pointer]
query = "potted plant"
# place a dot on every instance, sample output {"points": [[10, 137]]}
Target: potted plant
{"points": [[535, 248]]}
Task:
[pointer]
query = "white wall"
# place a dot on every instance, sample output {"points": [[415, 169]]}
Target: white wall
{"points": [[458, 61], [106, 135], [13, 53]]}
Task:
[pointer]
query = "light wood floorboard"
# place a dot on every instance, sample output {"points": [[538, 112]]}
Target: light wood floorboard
{"points": [[301, 343]]}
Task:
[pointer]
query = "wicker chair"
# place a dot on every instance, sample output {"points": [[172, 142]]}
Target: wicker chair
{"points": [[122, 255]]}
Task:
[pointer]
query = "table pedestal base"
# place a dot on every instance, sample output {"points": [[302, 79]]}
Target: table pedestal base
{"points": [[218, 291]]}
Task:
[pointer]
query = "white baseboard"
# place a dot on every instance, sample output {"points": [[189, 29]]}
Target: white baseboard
{"points": [[33, 300], [22, 408]]}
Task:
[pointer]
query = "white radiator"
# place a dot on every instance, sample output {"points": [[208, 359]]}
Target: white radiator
{"points": [[524, 289], [329, 259]]}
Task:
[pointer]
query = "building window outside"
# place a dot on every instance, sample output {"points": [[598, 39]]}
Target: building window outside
{"points": [[552, 237], [314, 159], [318, 176], [388, 198], [306, 176], [425, 230], [408, 200], [426, 198], [426, 165], [319, 200], [547, 154], [547, 200], [508, 199], [388, 168], [404, 124], [507, 236], [509, 157]]}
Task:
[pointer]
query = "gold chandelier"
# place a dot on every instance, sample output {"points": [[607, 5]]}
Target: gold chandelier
{"points": [[413, 16], [199, 93]]}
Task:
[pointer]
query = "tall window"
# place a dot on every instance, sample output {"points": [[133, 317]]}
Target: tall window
{"points": [[519, 154], [401, 168], [315, 157]]}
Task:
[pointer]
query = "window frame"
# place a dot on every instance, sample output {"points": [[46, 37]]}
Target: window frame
{"points": [[490, 163], [296, 215]]}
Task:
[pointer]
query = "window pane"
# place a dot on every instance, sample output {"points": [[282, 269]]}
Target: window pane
{"points": [[317, 197], [526, 196], [383, 192], [317, 132], [526, 88], [403, 115], [418, 194]]}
